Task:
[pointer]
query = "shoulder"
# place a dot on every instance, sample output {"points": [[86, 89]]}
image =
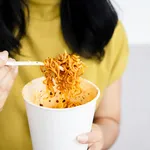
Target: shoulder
{"points": [[119, 36], [118, 44], [116, 53]]}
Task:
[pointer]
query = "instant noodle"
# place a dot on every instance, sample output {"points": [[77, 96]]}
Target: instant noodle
{"points": [[62, 80]]}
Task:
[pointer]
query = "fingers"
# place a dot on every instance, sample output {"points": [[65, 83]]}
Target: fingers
{"points": [[3, 72], [96, 146], [6, 85], [5, 69], [92, 137], [3, 58], [9, 75], [3, 98]]}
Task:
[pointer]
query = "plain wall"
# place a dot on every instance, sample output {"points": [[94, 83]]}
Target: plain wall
{"points": [[135, 15]]}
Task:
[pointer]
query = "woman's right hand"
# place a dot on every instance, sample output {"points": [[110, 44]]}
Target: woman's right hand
{"points": [[7, 77]]}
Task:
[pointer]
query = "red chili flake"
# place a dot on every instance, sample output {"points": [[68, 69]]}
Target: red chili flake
{"points": [[57, 101], [51, 93], [64, 100], [41, 104]]}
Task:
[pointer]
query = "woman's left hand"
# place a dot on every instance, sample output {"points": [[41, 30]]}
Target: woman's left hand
{"points": [[94, 139]]}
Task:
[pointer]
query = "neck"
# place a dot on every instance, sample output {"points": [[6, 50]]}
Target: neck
{"points": [[51, 2], [44, 9]]}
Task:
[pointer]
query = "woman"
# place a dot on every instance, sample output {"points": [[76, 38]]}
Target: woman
{"points": [[37, 29]]}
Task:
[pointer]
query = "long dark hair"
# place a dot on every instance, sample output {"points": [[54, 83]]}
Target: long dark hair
{"points": [[87, 25]]}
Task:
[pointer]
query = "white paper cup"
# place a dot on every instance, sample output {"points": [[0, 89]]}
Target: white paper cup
{"points": [[57, 129]]}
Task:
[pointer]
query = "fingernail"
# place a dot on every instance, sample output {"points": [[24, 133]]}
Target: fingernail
{"points": [[3, 55], [82, 138]]}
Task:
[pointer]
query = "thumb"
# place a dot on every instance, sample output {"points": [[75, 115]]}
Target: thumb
{"points": [[92, 137], [3, 58]]}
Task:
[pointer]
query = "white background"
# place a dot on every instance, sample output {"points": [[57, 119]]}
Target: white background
{"points": [[135, 15], [135, 125]]}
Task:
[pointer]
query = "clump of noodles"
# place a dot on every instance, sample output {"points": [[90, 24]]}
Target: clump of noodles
{"points": [[62, 74]]}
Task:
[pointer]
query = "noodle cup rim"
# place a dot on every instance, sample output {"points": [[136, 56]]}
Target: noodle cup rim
{"points": [[60, 109]]}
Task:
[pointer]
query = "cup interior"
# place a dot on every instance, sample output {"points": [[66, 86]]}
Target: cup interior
{"points": [[89, 90]]}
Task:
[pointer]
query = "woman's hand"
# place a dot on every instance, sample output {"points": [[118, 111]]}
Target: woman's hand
{"points": [[94, 139], [7, 77]]}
